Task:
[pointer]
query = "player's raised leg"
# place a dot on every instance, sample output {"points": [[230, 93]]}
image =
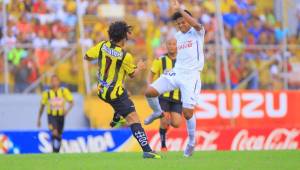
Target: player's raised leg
{"points": [[160, 68], [152, 99], [162, 84]]}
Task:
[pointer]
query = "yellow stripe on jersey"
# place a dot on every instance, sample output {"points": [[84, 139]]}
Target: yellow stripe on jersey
{"points": [[114, 64], [161, 65], [55, 100]]}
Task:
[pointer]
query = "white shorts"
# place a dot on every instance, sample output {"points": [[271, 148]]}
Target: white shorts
{"points": [[189, 84]]}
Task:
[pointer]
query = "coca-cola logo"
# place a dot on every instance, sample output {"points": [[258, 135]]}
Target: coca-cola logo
{"points": [[205, 141], [278, 139]]}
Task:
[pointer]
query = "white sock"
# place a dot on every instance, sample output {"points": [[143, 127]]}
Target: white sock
{"points": [[191, 129], [154, 104]]}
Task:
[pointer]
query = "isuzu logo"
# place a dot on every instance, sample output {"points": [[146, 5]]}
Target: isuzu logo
{"points": [[249, 105]]}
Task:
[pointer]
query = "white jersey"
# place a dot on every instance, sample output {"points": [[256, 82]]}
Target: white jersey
{"points": [[190, 54]]}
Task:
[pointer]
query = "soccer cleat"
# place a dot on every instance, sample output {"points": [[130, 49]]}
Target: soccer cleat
{"points": [[153, 117], [117, 124], [152, 155], [188, 150], [164, 149]]}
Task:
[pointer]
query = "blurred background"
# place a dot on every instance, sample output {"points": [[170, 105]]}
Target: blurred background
{"points": [[251, 46]]}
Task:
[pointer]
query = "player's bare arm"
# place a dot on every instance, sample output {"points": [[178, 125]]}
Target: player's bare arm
{"points": [[70, 106], [140, 67], [41, 110], [89, 58], [151, 77], [175, 6]]}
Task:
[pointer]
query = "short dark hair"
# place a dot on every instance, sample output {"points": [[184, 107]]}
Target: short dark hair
{"points": [[177, 15], [118, 31]]}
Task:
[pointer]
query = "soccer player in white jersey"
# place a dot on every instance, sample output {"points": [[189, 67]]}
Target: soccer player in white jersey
{"points": [[186, 73]]}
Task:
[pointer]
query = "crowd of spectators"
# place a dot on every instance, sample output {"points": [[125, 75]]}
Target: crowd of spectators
{"points": [[38, 34], [254, 40]]}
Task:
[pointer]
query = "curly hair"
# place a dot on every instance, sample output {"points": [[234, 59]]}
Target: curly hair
{"points": [[118, 31]]}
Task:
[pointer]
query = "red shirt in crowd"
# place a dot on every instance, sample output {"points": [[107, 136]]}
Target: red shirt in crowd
{"points": [[39, 7]]}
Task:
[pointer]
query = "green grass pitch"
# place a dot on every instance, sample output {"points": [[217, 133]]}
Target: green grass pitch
{"points": [[246, 160]]}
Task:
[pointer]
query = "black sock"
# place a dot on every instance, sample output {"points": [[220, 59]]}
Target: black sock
{"points": [[162, 133], [56, 143], [140, 135], [116, 117]]}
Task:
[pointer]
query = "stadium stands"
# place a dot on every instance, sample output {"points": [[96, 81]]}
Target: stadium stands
{"points": [[41, 32]]}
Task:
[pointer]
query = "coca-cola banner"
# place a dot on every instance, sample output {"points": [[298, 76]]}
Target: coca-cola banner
{"points": [[121, 140], [232, 139], [246, 109]]}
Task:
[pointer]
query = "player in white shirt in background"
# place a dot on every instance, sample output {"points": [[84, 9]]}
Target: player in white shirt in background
{"points": [[186, 73]]}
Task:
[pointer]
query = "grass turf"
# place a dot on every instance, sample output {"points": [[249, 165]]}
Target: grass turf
{"points": [[247, 160]]}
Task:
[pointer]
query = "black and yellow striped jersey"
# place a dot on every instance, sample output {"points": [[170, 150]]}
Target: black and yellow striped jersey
{"points": [[55, 100], [161, 65], [114, 64]]}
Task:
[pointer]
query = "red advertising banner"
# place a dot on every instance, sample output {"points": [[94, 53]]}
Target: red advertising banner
{"points": [[231, 139], [248, 109]]}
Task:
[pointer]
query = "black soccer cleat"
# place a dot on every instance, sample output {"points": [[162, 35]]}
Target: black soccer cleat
{"points": [[152, 155]]}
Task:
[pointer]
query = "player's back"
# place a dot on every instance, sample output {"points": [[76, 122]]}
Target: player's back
{"points": [[114, 64], [110, 61]]}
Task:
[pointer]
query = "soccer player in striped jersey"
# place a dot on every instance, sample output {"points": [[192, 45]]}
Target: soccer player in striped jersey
{"points": [[114, 64], [55, 99], [170, 102]]}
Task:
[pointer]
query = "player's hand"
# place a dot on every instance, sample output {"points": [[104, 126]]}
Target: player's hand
{"points": [[175, 6], [38, 123], [141, 65], [66, 112]]}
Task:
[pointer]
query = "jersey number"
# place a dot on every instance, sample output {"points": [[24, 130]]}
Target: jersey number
{"points": [[107, 65]]}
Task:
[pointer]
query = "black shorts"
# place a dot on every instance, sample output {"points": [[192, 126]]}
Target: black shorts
{"points": [[56, 122], [170, 106], [122, 105]]}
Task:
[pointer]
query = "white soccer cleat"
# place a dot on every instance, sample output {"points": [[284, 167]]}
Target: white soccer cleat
{"points": [[188, 150], [152, 117]]}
